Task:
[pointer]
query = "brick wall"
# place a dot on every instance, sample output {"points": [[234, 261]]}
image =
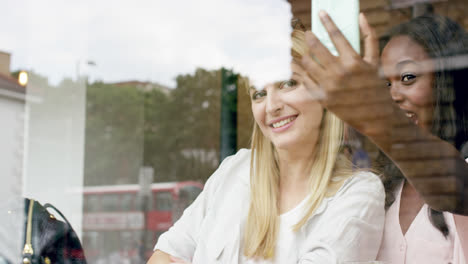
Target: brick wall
{"points": [[5, 63], [382, 17]]}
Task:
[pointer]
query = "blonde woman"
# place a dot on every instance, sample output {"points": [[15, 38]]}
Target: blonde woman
{"points": [[291, 199]]}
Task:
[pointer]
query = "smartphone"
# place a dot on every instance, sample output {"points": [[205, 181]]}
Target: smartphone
{"points": [[345, 14]]}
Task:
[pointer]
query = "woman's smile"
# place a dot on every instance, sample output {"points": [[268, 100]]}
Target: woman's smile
{"points": [[283, 123]]}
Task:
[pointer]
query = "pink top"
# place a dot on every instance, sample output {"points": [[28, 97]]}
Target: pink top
{"points": [[423, 243]]}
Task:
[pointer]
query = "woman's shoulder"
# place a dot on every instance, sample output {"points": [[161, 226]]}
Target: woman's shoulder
{"points": [[241, 154], [364, 182], [241, 158], [233, 168], [361, 196]]}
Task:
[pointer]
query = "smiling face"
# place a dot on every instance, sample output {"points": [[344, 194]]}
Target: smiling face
{"points": [[410, 74], [287, 113]]}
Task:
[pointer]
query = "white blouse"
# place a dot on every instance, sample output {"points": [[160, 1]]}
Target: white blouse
{"points": [[345, 227]]}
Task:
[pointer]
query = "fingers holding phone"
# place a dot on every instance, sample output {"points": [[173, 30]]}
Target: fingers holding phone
{"points": [[345, 75]]}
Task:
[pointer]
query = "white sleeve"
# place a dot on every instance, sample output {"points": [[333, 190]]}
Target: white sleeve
{"points": [[351, 227], [182, 238]]}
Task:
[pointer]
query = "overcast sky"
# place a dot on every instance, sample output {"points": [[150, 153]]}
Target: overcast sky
{"points": [[147, 40]]}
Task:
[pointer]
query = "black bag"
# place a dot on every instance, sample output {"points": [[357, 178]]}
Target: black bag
{"points": [[49, 240]]}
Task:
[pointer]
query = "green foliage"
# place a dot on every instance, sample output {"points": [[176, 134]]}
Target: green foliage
{"points": [[175, 132], [182, 133], [114, 134]]}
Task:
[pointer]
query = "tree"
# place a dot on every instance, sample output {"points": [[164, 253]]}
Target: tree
{"points": [[176, 132], [114, 134], [184, 145]]}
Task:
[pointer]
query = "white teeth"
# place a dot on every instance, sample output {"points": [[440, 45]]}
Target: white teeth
{"points": [[412, 116], [282, 122]]}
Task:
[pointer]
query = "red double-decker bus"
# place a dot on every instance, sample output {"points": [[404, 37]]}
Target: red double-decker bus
{"points": [[117, 218]]}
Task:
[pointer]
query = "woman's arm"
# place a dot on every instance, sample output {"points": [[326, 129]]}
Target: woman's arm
{"points": [[357, 95], [433, 166], [159, 257]]}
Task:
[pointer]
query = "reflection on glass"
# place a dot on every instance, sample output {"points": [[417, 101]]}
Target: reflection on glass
{"points": [[114, 87], [419, 123], [117, 210]]}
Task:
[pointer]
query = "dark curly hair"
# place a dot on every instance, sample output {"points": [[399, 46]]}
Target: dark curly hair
{"points": [[446, 43]]}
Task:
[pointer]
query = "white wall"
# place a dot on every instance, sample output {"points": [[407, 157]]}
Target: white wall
{"points": [[11, 164], [55, 148]]}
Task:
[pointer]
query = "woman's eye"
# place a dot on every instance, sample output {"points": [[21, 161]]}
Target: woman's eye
{"points": [[288, 84], [388, 83], [408, 78], [258, 94]]}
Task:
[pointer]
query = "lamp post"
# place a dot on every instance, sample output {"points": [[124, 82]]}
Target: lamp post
{"points": [[145, 180], [228, 113]]}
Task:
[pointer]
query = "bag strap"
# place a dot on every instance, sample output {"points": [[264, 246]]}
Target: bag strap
{"points": [[77, 259], [48, 205]]}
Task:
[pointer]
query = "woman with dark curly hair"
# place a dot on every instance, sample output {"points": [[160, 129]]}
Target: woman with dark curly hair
{"points": [[422, 131], [424, 80]]}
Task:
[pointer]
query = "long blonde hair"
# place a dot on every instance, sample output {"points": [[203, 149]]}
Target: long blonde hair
{"points": [[326, 176]]}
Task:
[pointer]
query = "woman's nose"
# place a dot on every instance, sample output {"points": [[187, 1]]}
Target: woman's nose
{"points": [[396, 94], [274, 103]]}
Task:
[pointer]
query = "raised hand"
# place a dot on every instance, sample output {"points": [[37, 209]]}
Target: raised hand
{"points": [[356, 93], [351, 83]]}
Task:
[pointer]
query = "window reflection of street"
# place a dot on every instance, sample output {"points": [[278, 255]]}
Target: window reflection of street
{"points": [[67, 125], [113, 211]]}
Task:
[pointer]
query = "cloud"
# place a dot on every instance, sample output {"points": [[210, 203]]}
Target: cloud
{"points": [[147, 40]]}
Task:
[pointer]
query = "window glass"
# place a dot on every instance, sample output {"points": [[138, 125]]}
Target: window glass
{"points": [[110, 202], [127, 202], [163, 201], [92, 203], [186, 196], [120, 113]]}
